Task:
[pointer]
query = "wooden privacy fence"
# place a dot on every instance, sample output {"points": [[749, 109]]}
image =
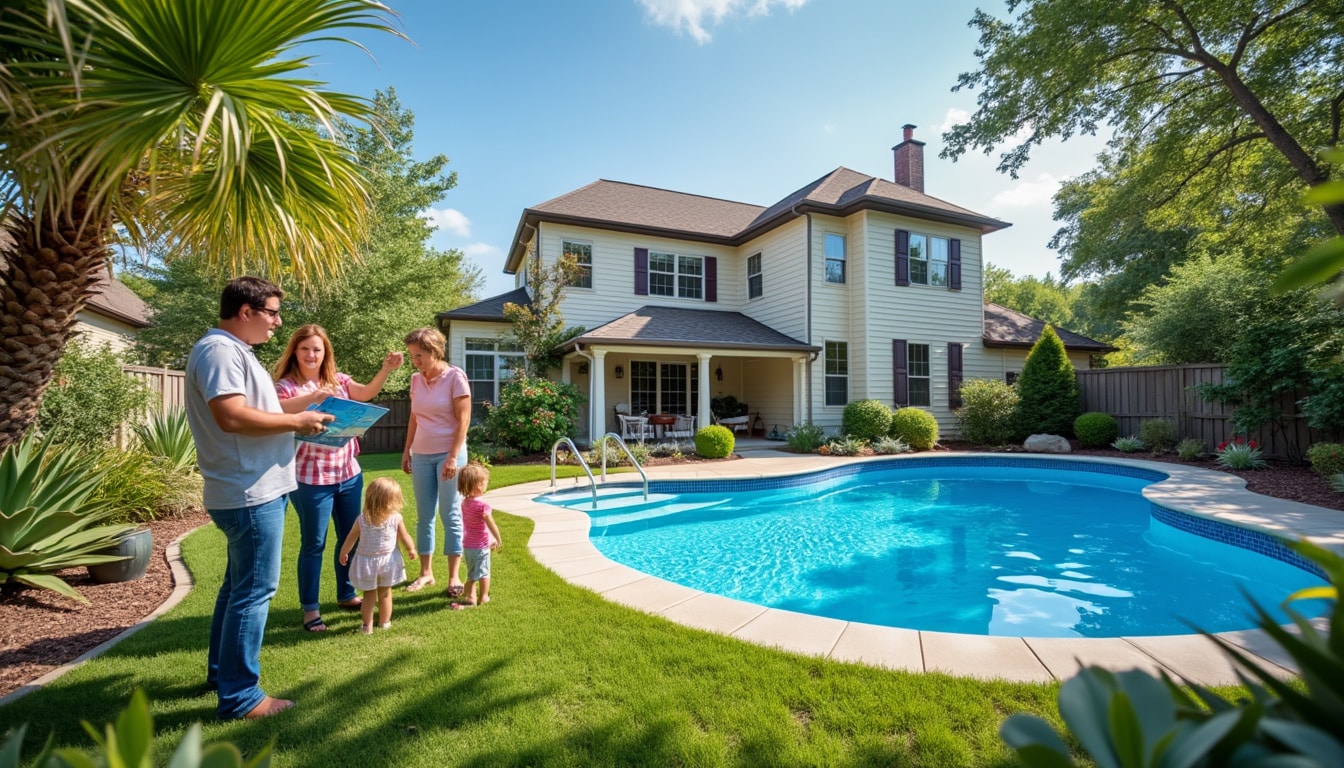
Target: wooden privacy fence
{"points": [[168, 386], [1133, 395], [389, 434]]}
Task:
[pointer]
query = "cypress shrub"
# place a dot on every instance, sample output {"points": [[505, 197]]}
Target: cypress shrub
{"points": [[866, 419], [1048, 398]]}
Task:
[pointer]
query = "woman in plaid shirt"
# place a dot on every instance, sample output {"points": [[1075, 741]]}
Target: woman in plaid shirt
{"points": [[330, 481]]}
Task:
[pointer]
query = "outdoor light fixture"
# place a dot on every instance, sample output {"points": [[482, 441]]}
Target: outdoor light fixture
{"points": [[718, 373], [620, 372]]}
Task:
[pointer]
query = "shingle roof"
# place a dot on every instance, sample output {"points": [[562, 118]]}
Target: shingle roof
{"points": [[649, 210], [114, 299], [491, 309], [676, 327], [1008, 328]]}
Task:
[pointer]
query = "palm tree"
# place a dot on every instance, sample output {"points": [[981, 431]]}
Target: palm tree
{"points": [[185, 122]]}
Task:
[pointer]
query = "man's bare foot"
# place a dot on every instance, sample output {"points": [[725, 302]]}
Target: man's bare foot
{"points": [[268, 707], [420, 583]]}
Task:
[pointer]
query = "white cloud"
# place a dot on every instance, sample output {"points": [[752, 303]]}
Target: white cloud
{"points": [[1028, 194], [481, 250], [693, 16], [953, 117], [448, 220]]}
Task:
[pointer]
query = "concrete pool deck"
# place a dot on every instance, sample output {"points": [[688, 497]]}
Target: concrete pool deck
{"points": [[560, 542]]}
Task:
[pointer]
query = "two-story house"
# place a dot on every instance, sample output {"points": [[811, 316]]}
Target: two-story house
{"points": [[851, 287]]}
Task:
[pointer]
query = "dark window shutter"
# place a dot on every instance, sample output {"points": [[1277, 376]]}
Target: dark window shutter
{"points": [[954, 375], [711, 278], [641, 271], [901, 381], [902, 257], [954, 265]]}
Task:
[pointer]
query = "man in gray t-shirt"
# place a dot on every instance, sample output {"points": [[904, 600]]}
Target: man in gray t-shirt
{"points": [[245, 449]]}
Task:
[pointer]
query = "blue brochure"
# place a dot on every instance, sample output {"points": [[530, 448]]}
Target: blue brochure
{"points": [[352, 419]]}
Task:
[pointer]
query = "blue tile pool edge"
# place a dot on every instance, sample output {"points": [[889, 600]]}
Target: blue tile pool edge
{"points": [[1250, 539]]}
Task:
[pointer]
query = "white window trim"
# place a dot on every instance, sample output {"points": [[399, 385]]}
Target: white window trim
{"points": [[825, 260], [676, 275], [909, 377], [499, 355], [592, 275], [760, 274], [929, 261], [826, 376]]}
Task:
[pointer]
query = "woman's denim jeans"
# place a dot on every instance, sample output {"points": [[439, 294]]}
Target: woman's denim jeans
{"points": [[433, 493], [318, 506], [255, 536]]}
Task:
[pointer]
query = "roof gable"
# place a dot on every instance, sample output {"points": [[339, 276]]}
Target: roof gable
{"points": [[1005, 327]]}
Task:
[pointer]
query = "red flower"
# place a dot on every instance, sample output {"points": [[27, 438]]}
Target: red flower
{"points": [[1222, 446]]}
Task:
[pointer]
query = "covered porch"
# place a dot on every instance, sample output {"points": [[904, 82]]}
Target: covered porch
{"points": [[661, 362]]}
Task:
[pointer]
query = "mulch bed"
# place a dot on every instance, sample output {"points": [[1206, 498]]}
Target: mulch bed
{"points": [[40, 630]]}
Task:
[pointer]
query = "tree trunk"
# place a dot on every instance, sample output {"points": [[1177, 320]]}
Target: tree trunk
{"points": [[47, 272]]}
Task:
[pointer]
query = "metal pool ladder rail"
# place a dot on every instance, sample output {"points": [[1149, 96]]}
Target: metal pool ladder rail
{"points": [[592, 482]]}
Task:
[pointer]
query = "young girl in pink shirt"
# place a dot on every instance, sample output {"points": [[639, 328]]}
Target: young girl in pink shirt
{"points": [[479, 534]]}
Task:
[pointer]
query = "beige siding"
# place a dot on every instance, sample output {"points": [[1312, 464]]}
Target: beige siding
{"points": [[96, 330], [462, 330], [613, 291], [832, 308], [782, 305]]}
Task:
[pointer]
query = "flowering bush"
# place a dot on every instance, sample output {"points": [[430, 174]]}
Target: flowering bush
{"points": [[1240, 453], [1327, 459], [533, 413]]}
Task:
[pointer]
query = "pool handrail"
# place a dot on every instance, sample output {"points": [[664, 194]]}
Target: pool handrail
{"points": [[621, 442], [592, 482]]}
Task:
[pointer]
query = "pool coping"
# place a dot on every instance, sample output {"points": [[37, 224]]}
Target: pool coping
{"points": [[560, 542]]}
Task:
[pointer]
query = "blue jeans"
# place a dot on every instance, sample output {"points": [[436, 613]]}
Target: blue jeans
{"points": [[317, 506], [255, 536], [434, 494]]}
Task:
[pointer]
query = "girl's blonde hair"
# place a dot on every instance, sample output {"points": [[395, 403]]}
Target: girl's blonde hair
{"points": [[473, 479], [287, 367], [381, 499]]}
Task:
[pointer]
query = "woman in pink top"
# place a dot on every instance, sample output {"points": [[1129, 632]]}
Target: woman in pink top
{"points": [[330, 481], [436, 445]]}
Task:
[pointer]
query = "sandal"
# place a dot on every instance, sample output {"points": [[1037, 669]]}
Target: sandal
{"points": [[315, 625], [455, 590], [351, 605], [419, 584]]}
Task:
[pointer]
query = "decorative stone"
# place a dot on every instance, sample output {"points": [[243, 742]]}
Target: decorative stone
{"points": [[1047, 444]]}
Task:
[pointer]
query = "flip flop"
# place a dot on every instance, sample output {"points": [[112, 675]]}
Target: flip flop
{"points": [[419, 584], [315, 625], [456, 590], [351, 605]]}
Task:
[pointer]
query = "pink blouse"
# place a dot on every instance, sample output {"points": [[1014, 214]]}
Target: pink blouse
{"points": [[432, 406], [322, 464]]}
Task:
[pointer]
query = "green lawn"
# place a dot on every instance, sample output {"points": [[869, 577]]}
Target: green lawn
{"points": [[547, 674]]}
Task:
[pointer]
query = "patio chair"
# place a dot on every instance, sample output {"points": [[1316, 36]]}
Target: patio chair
{"points": [[735, 423], [634, 427], [683, 427]]}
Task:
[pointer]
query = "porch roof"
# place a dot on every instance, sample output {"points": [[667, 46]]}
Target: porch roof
{"points": [[1008, 328], [651, 326], [491, 309]]}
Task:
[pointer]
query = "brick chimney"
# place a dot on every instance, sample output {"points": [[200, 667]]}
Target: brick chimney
{"points": [[909, 160]]}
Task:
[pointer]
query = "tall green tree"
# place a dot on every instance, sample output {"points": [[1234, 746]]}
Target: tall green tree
{"points": [[399, 281], [162, 121], [1048, 397], [1183, 84], [1044, 298], [1198, 314]]}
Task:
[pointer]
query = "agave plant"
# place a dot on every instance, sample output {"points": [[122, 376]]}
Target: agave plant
{"points": [[167, 434], [47, 517]]}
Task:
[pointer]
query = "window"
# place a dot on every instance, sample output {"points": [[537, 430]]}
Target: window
{"points": [[837, 372], [1010, 377], [662, 387], [755, 285], [679, 276], [582, 253], [489, 364], [835, 258], [928, 260], [917, 368]]}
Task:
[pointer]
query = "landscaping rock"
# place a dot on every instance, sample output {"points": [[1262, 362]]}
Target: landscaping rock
{"points": [[1047, 444]]}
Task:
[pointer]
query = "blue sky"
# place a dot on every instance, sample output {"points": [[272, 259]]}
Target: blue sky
{"points": [[746, 100]]}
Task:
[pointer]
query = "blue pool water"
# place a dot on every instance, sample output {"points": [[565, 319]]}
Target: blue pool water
{"points": [[971, 549]]}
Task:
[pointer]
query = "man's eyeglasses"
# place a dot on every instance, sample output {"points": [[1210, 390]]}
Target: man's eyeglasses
{"points": [[274, 313]]}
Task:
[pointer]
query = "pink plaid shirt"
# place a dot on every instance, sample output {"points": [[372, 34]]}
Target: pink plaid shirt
{"points": [[321, 464]]}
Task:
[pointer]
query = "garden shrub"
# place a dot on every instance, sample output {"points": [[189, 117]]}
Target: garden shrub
{"points": [[845, 446], [1129, 444], [89, 397], [1047, 390], [1190, 449], [714, 442], [887, 445], [1327, 459], [987, 411], [533, 413], [1095, 429], [139, 487], [1157, 434], [917, 428], [671, 449], [865, 419], [805, 438]]}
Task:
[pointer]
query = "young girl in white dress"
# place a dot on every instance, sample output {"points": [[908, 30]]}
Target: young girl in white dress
{"points": [[377, 565]]}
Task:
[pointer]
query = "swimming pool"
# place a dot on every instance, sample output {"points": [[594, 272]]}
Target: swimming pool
{"points": [[1025, 547]]}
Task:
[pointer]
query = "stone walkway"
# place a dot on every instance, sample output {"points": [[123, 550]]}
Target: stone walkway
{"points": [[560, 542]]}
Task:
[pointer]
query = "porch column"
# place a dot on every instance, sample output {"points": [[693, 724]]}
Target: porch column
{"points": [[799, 389], [703, 420], [564, 371], [597, 416]]}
